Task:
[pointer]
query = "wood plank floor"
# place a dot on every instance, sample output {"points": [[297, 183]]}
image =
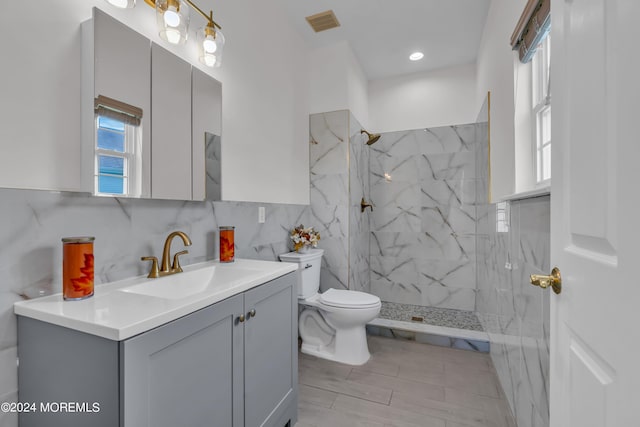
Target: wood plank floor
{"points": [[404, 384]]}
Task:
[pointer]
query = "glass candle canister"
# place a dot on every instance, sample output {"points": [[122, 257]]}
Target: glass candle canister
{"points": [[77, 267], [227, 242]]}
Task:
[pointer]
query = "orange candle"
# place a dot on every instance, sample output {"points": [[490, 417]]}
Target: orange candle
{"points": [[227, 250], [77, 267]]}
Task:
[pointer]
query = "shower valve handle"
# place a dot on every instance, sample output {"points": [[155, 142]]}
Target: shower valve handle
{"points": [[364, 205]]}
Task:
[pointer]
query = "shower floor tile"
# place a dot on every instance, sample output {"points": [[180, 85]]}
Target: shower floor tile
{"points": [[446, 317]]}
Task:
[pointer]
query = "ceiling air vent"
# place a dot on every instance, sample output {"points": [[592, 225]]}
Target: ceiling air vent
{"points": [[323, 21]]}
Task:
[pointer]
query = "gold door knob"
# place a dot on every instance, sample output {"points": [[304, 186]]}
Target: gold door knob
{"points": [[241, 318], [252, 313], [554, 280]]}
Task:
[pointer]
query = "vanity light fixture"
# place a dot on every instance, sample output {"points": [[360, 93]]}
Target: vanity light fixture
{"points": [[210, 43], [416, 56], [173, 26], [172, 17]]}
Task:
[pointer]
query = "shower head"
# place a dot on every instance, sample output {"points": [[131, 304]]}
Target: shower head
{"points": [[373, 137]]}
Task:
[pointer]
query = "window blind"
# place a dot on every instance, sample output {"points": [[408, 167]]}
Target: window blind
{"points": [[532, 28], [118, 110]]}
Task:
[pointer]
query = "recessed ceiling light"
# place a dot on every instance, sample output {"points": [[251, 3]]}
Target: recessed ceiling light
{"points": [[416, 56]]}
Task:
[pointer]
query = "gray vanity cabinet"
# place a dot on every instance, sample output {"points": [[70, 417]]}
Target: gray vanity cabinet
{"points": [[271, 355], [231, 364], [184, 373]]}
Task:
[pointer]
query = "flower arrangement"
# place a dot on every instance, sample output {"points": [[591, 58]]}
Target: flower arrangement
{"points": [[303, 238]]}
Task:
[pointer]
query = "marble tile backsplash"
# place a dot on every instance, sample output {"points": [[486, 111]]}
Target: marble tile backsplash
{"points": [[514, 313], [423, 228], [33, 223]]}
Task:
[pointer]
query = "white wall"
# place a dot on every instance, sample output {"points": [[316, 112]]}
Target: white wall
{"points": [[496, 74], [265, 98], [358, 90], [424, 100], [265, 111], [328, 80], [337, 82]]}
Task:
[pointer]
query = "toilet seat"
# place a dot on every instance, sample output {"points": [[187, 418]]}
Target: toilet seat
{"points": [[348, 299]]}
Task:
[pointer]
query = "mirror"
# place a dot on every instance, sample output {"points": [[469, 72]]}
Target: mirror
{"points": [[86, 123], [146, 112], [212, 166]]}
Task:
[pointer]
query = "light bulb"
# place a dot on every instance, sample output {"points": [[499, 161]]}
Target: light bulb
{"points": [[171, 17], [209, 44], [119, 3], [416, 56], [173, 35], [209, 60]]}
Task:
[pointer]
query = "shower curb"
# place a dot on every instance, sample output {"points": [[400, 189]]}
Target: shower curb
{"points": [[430, 334]]}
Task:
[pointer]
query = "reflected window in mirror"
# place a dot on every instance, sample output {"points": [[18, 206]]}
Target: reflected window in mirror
{"points": [[118, 149]]}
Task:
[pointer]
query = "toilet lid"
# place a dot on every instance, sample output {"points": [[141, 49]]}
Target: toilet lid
{"points": [[348, 299]]}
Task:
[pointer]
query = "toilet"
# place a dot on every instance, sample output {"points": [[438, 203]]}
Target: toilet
{"points": [[331, 324]]}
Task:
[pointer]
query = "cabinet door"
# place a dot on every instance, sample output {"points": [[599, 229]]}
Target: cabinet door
{"points": [[122, 63], [170, 126], [207, 115], [271, 354], [116, 64], [185, 373]]}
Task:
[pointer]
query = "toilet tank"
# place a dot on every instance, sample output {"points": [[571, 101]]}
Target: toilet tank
{"points": [[309, 268]]}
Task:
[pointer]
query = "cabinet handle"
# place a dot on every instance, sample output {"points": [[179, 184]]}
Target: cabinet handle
{"points": [[252, 313], [307, 266], [241, 318]]}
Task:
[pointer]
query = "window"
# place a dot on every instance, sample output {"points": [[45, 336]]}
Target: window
{"points": [[532, 101], [118, 149], [541, 111], [502, 217]]}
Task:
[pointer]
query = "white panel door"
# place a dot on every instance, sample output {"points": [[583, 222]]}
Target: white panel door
{"points": [[595, 214]]}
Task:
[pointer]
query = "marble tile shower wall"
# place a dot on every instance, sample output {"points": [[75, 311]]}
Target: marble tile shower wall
{"points": [[329, 194], [339, 168], [125, 229], [514, 313], [359, 277], [423, 185]]}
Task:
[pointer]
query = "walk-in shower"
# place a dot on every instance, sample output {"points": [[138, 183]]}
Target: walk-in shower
{"points": [[416, 249]]}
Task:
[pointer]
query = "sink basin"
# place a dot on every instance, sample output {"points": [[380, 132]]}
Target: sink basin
{"points": [[176, 286], [193, 281]]}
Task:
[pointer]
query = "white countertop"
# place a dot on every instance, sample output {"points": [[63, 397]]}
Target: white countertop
{"points": [[117, 311]]}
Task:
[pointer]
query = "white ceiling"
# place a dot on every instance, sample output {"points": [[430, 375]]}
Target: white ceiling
{"points": [[382, 33]]}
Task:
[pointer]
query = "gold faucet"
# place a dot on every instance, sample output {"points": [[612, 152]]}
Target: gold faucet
{"points": [[165, 269]]}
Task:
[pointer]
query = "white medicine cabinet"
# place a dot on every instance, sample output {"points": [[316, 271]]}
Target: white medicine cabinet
{"points": [[147, 118]]}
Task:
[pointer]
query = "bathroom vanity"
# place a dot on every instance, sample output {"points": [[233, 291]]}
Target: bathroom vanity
{"points": [[215, 346]]}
